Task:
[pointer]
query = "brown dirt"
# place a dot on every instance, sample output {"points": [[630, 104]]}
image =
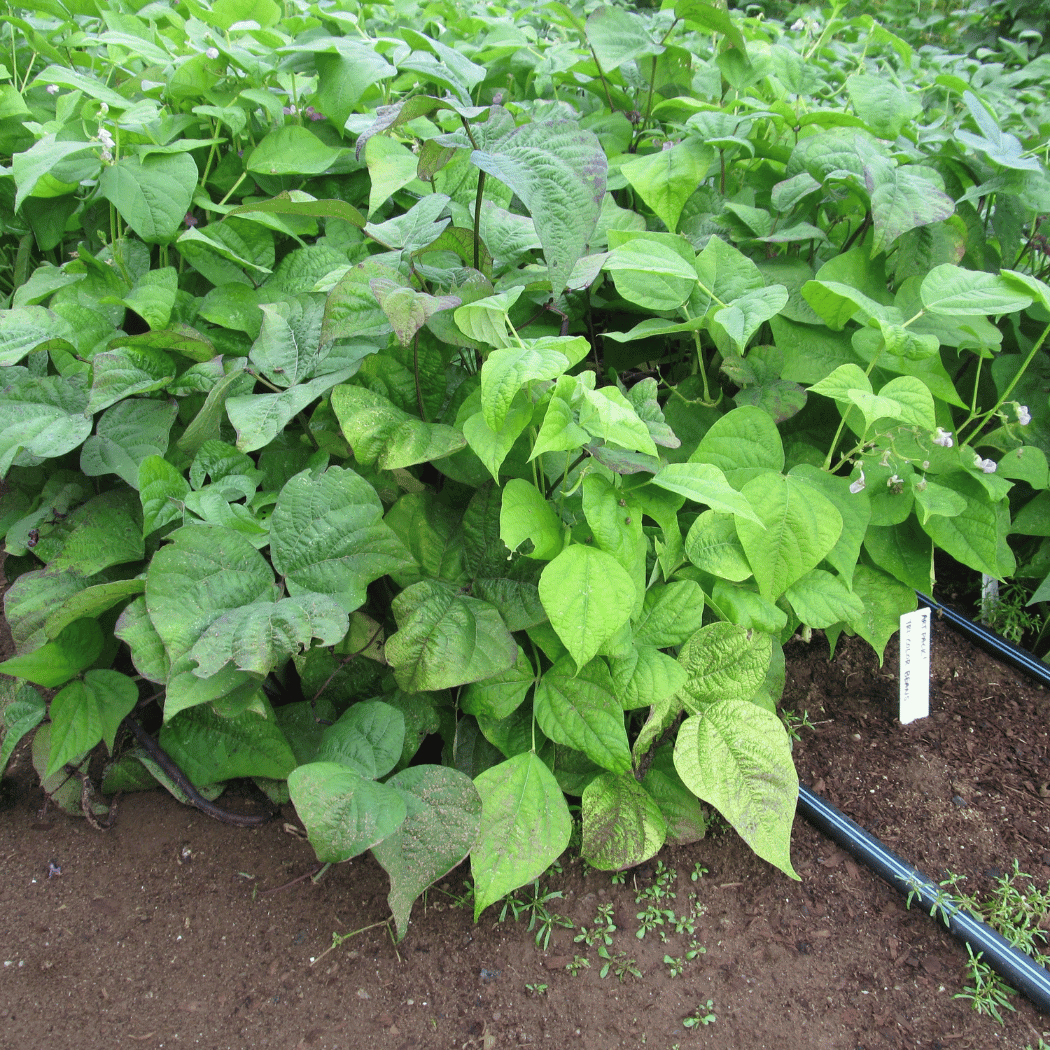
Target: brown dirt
{"points": [[128, 947]]}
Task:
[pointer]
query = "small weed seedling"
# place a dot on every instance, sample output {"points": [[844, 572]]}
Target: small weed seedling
{"points": [[620, 965], [541, 918], [1015, 911], [661, 887], [702, 1015], [674, 966], [698, 872], [537, 991], [338, 939], [682, 923], [653, 917], [696, 908], [1009, 616], [464, 899], [602, 930], [945, 903], [988, 992], [794, 722], [579, 963]]}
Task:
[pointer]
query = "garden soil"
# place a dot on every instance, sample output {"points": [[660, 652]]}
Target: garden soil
{"points": [[172, 930]]}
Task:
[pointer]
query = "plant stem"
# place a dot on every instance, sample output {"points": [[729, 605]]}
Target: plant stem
{"points": [[233, 188], [477, 198], [477, 220], [701, 368], [305, 424], [601, 77], [338, 938], [211, 154], [1004, 396], [858, 232], [537, 479], [415, 367], [21, 269], [835, 439], [649, 99]]}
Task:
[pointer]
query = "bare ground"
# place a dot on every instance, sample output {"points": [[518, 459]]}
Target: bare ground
{"points": [[172, 930]]}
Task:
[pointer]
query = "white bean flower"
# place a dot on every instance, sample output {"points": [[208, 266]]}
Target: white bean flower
{"points": [[989, 466], [858, 485], [943, 438], [212, 52]]}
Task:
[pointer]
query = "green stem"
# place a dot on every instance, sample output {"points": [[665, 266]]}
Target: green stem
{"points": [[537, 480], [701, 368], [233, 188], [707, 291], [21, 270], [305, 424], [265, 382], [652, 86], [835, 439], [819, 42], [846, 457], [667, 35], [338, 938], [477, 198], [211, 153], [14, 54], [605, 83], [477, 220], [976, 391], [1037, 346], [845, 415], [415, 373]]}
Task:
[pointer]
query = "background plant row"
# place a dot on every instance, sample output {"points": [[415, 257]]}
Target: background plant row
{"points": [[521, 379]]}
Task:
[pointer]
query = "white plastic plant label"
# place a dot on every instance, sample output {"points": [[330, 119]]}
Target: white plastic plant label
{"points": [[915, 665]]}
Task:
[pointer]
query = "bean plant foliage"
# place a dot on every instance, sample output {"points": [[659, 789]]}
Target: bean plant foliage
{"points": [[507, 382]]}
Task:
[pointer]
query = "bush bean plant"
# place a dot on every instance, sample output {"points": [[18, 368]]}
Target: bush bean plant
{"points": [[506, 382]]}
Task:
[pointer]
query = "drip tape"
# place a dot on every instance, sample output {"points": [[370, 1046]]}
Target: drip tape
{"points": [[999, 647], [1019, 970]]}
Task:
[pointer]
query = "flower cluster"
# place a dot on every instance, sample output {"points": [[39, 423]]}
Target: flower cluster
{"points": [[309, 112], [940, 437], [105, 136]]}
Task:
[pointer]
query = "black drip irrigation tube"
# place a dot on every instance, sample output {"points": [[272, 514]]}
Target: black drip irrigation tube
{"points": [[1019, 970], [998, 647]]}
